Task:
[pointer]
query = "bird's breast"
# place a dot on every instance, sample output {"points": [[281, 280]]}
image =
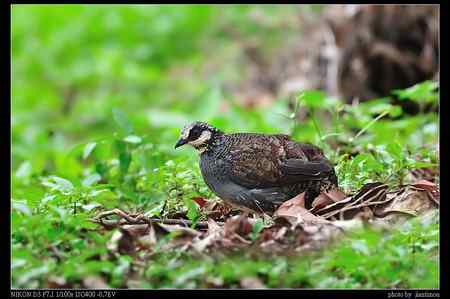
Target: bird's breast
{"points": [[214, 172]]}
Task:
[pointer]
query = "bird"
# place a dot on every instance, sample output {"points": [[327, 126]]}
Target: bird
{"points": [[258, 172]]}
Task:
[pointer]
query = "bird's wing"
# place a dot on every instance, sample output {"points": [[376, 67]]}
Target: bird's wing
{"points": [[254, 160], [306, 170], [272, 160]]}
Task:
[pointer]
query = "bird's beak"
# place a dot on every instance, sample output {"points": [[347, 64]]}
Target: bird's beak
{"points": [[180, 142]]}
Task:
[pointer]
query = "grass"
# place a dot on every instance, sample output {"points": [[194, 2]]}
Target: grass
{"points": [[97, 109], [344, 265], [406, 257]]}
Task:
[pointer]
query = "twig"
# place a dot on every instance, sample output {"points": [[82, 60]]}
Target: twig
{"points": [[369, 125], [432, 198], [141, 219], [395, 211], [366, 203], [316, 126]]}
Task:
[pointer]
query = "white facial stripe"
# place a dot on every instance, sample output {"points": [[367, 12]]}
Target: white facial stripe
{"points": [[185, 131], [205, 136]]}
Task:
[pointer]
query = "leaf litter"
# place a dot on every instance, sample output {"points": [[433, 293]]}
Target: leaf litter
{"points": [[291, 229]]}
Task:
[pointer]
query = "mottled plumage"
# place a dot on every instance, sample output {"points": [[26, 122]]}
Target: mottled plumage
{"points": [[258, 171]]}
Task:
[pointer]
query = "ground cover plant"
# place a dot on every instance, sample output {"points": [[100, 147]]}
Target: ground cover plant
{"points": [[99, 95]]}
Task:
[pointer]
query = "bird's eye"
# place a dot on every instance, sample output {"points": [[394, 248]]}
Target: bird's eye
{"points": [[195, 133]]}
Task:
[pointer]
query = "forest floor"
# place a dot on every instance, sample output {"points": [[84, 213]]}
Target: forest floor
{"points": [[101, 199]]}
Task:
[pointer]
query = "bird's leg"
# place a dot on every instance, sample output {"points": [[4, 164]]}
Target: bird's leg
{"points": [[266, 218]]}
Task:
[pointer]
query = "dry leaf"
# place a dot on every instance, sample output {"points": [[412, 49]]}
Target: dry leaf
{"points": [[294, 212], [252, 283], [213, 227], [113, 243], [95, 282], [281, 233], [136, 230], [181, 230], [200, 201], [411, 202], [215, 282], [216, 209], [349, 225], [214, 233], [57, 282], [321, 201], [239, 224], [326, 198], [336, 194], [335, 206], [425, 185], [431, 188], [126, 243], [149, 240]]}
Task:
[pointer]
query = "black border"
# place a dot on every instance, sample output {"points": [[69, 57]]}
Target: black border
{"points": [[310, 293]]}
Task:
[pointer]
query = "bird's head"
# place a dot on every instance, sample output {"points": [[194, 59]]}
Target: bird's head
{"points": [[198, 134]]}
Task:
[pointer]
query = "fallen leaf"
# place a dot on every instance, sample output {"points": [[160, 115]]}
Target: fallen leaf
{"points": [[113, 243], [370, 189], [95, 282], [213, 227], [200, 201], [136, 230], [239, 224], [326, 198], [336, 194], [216, 209], [431, 188], [433, 197], [252, 283], [121, 241], [126, 243], [411, 202], [294, 212], [281, 233], [149, 240], [214, 233], [321, 201], [355, 206], [349, 225], [215, 282], [181, 230], [57, 282], [425, 185]]}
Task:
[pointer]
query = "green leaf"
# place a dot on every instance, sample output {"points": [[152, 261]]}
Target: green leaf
{"points": [[124, 156], [32, 274], [366, 162], [360, 246], [88, 149], [256, 229], [312, 98], [21, 207], [395, 150], [122, 121], [133, 139], [193, 214], [425, 91], [91, 206], [17, 263], [24, 170], [395, 111], [59, 184], [92, 179], [421, 164]]}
